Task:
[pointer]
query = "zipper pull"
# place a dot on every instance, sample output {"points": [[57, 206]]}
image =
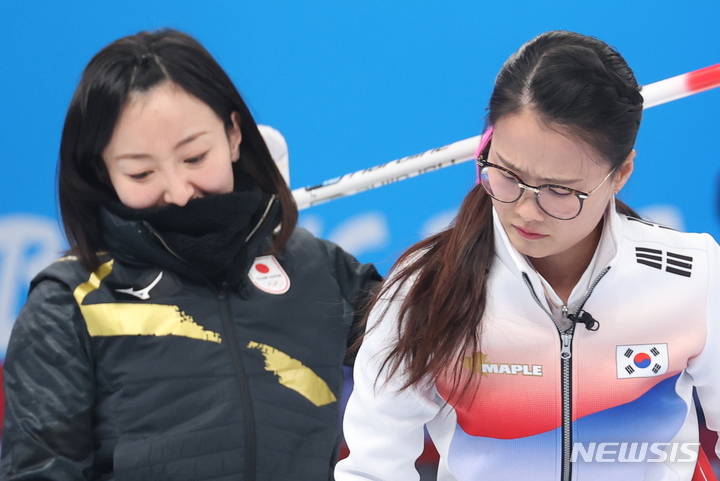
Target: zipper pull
{"points": [[566, 339]]}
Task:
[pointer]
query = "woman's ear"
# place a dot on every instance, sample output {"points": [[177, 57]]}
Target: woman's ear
{"points": [[234, 137], [624, 171]]}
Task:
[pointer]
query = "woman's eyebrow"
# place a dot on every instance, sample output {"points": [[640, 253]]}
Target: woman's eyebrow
{"points": [[132, 156], [510, 166], [184, 141], [189, 139]]}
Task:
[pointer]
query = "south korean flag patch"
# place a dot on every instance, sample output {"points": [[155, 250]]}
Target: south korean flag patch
{"points": [[641, 360], [268, 275]]}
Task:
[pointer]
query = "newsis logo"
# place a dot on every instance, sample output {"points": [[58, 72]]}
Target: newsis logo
{"points": [[635, 452], [485, 368]]}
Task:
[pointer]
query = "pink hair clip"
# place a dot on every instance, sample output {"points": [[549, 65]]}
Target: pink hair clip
{"points": [[484, 142]]}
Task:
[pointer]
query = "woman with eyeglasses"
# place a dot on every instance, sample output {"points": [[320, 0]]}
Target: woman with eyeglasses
{"points": [[549, 333], [193, 332]]}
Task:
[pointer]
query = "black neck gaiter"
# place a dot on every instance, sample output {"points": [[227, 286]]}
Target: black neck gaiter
{"points": [[210, 233]]}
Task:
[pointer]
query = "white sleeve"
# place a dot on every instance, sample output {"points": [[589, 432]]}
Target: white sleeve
{"points": [[705, 368], [383, 426]]}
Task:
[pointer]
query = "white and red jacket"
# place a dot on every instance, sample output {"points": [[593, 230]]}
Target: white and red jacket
{"points": [[557, 401]]}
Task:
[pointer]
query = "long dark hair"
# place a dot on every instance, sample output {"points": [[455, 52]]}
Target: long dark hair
{"points": [[573, 82], [138, 63]]}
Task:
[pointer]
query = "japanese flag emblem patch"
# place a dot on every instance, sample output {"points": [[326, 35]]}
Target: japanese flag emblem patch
{"points": [[641, 360], [268, 275]]}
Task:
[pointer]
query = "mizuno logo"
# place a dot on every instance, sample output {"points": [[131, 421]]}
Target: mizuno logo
{"points": [[674, 263], [144, 293], [135, 319]]}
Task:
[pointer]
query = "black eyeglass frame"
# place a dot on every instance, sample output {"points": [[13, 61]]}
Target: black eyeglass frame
{"points": [[482, 162]]}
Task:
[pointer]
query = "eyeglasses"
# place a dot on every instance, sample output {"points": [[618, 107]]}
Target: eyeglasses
{"points": [[557, 201]]}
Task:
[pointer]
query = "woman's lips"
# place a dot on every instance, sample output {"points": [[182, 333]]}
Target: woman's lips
{"points": [[529, 234]]}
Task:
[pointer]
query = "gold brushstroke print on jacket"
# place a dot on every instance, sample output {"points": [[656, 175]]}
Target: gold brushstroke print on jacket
{"points": [[117, 319], [295, 375]]}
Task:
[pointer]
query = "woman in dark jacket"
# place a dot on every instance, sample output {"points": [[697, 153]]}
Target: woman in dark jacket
{"points": [[193, 332]]}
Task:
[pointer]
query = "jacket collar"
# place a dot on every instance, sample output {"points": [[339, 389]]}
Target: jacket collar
{"points": [[136, 242], [606, 255]]}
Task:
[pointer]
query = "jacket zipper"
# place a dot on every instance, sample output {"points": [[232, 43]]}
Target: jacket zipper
{"points": [[566, 366], [246, 399], [226, 317], [566, 337], [248, 413]]}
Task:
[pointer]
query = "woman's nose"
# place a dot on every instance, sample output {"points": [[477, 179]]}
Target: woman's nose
{"points": [[178, 190], [527, 207]]}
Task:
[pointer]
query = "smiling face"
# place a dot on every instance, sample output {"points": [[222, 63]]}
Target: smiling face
{"points": [[169, 147], [541, 155]]}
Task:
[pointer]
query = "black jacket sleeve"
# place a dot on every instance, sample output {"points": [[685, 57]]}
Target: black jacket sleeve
{"points": [[49, 390], [358, 283]]}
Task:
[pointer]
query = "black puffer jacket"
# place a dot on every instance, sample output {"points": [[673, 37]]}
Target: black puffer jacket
{"points": [[145, 371]]}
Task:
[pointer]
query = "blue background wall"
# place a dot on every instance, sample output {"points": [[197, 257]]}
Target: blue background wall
{"points": [[352, 84]]}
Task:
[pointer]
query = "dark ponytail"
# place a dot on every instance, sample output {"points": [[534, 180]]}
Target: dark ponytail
{"points": [[573, 82], [439, 316]]}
